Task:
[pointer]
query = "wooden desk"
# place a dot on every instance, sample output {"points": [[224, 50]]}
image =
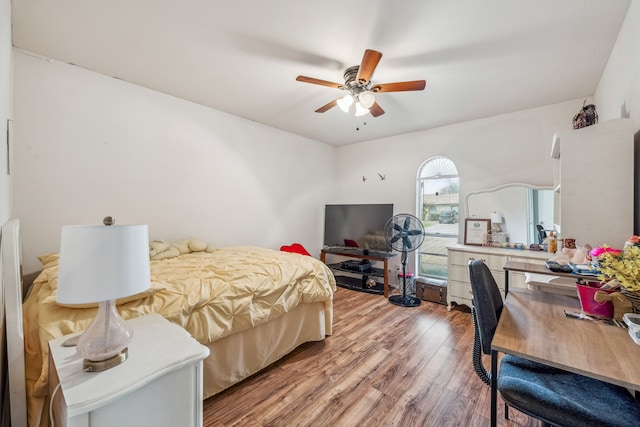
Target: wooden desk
{"points": [[528, 267], [533, 326]]}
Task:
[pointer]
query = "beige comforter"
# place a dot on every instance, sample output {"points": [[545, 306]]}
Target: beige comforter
{"points": [[212, 295]]}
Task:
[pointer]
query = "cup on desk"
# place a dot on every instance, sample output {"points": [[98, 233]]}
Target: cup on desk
{"points": [[570, 243]]}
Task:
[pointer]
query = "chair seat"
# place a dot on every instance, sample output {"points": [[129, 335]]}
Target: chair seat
{"points": [[563, 398]]}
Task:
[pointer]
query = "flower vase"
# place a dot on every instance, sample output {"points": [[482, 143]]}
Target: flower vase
{"points": [[634, 297]]}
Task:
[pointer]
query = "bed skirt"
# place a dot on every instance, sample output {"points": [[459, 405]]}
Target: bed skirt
{"points": [[241, 355]]}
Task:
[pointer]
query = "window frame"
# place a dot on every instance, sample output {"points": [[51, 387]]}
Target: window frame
{"points": [[435, 162]]}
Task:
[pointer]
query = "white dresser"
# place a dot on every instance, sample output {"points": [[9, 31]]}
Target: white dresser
{"points": [[160, 384], [458, 257]]}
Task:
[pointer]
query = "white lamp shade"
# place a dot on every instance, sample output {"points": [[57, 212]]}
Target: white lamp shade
{"points": [[345, 102], [366, 99], [496, 218], [102, 263], [360, 110]]}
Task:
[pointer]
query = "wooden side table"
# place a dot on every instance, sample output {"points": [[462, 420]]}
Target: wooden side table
{"points": [[159, 385]]}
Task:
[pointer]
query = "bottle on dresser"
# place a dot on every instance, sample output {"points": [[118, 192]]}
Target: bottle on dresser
{"points": [[552, 243]]}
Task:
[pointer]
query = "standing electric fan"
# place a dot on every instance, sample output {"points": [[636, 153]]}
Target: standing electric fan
{"points": [[404, 233]]}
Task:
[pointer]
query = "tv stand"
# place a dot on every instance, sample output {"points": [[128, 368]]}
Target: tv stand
{"points": [[361, 281]]}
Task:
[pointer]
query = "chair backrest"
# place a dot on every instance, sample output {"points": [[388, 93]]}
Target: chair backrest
{"points": [[541, 233], [487, 302]]}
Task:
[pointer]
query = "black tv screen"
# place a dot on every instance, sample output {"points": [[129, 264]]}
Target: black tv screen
{"points": [[357, 225]]}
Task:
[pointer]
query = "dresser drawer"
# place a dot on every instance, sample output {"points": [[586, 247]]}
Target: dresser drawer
{"points": [[494, 262], [459, 292], [459, 273], [528, 260], [462, 258], [517, 280], [498, 276]]}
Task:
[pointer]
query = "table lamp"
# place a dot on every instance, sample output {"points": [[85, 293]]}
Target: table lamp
{"points": [[100, 264], [496, 218]]}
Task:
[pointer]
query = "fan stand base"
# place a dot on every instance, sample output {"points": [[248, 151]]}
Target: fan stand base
{"points": [[404, 300]]}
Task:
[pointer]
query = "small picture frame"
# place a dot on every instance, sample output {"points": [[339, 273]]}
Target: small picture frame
{"points": [[476, 231]]}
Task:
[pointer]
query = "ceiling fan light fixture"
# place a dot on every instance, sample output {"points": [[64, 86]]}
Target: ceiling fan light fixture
{"points": [[366, 99], [345, 102], [360, 109], [360, 88]]}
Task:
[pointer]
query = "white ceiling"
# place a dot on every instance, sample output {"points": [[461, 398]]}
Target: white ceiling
{"points": [[479, 58]]}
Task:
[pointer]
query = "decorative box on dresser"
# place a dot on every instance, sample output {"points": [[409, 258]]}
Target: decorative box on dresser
{"points": [[458, 257], [160, 384]]}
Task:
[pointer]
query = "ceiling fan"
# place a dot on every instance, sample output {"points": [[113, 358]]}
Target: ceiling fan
{"points": [[357, 82]]}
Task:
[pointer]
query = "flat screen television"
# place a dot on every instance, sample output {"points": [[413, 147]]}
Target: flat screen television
{"points": [[359, 225]]}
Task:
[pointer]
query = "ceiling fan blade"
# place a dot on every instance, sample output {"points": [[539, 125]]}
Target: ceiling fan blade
{"points": [[368, 65], [315, 81], [400, 86], [376, 110], [327, 107]]}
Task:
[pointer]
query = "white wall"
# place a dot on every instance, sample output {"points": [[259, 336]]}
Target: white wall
{"points": [[6, 71], [6, 68], [514, 147], [88, 146], [618, 93]]}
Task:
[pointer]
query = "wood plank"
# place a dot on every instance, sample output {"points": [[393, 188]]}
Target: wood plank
{"points": [[385, 365]]}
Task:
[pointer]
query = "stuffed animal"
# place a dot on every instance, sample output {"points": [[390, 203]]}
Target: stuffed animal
{"points": [[621, 304], [160, 249], [578, 255]]}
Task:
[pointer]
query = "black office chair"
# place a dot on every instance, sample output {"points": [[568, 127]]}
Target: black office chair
{"points": [[553, 396], [541, 234]]}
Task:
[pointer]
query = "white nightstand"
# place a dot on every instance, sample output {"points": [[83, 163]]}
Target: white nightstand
{"points": [[159, 385]]}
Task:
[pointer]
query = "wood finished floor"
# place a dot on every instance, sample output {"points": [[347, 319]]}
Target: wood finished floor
{"points": [[384, 366]]}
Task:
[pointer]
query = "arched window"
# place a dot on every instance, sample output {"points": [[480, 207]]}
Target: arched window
{"points": [[438, 200]]}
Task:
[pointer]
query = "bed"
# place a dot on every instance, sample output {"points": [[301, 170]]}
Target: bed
{"points": [[249, 305]]}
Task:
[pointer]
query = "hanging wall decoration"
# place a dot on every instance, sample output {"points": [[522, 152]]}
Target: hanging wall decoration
{"points": [[587, 116]]}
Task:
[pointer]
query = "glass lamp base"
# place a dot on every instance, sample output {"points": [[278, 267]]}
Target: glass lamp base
{"points": [[103, 365], [107, 336]]}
